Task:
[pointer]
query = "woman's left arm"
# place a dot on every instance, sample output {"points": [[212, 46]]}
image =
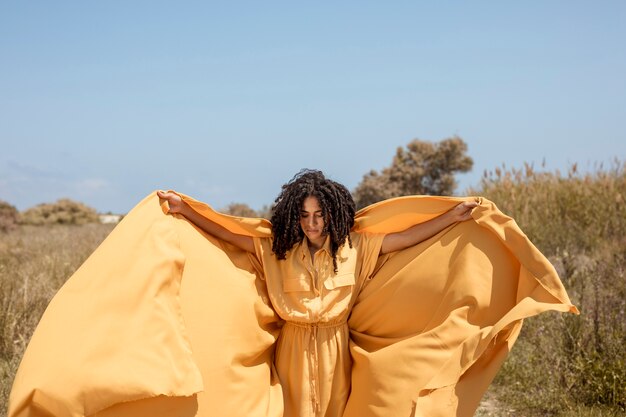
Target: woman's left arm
{"points": [[420, 232]]}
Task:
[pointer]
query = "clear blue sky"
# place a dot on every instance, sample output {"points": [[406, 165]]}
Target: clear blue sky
{"points": [[106, 101]]}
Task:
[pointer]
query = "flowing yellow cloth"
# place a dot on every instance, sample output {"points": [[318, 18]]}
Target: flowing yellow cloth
{"points": [[165, 320]]}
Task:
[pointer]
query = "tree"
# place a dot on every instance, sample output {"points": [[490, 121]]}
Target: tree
{"points": [[420, 168], [64, 211], [265, 212]]}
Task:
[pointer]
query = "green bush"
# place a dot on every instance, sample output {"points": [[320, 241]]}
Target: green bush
{"points": [[64, 211]]}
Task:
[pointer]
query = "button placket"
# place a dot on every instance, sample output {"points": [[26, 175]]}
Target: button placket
{"points": [[309, 264], [318, 272]]}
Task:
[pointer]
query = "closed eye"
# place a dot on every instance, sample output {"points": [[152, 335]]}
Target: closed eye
{"points": [[318, 214]]}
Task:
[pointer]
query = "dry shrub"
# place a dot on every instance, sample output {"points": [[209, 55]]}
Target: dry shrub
{"points": [[240, 210], [9, 217], [563, 363], [64, 211]]}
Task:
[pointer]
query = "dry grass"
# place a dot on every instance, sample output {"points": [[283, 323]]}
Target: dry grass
{"points": [[34, 263], [566, 365]]}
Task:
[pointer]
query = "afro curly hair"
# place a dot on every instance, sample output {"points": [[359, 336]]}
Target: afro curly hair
{"points": [[337, 205]]}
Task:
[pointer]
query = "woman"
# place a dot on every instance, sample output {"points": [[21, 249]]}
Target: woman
{"points": [[314, 267]]}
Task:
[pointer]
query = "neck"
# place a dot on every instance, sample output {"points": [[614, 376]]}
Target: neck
{"points": [[317, 244]]}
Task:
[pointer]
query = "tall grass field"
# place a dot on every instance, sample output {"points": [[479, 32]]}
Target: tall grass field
{"points": [[561, 365], [34, 262]]}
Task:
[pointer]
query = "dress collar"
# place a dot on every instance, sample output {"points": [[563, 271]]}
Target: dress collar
{"points": [[304, 247]]}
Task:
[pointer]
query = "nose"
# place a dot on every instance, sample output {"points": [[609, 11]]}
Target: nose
{"points": [[311, 221]]}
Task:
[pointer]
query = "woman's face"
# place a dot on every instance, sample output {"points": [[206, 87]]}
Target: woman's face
{"points": [[312, 221]]}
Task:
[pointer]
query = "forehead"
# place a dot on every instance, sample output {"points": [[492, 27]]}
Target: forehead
{"points": [[311, 205]]}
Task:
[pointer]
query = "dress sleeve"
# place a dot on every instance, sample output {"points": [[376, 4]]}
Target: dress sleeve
{"points": [[368, 247], [262, 251]]}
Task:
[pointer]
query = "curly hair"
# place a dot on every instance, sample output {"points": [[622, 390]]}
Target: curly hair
{"points": [[337, 206]]}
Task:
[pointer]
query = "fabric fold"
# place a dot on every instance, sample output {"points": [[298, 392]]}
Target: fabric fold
{"points": [[437, 320], [114, 332]]}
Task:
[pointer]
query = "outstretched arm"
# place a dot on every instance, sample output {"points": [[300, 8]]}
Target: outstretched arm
{"points": [[420, 232], [177, 205]]}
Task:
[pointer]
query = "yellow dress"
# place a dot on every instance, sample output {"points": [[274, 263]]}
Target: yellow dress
{"points": [[165, 320], [312, 355]]}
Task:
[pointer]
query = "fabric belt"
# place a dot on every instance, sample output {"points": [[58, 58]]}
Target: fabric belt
{"points": [[313, 357]]}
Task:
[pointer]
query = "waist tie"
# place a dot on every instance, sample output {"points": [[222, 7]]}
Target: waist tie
{"points": [[313, 356]]}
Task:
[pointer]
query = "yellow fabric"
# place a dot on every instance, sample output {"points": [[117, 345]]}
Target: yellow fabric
{"points": [[165, 320], [312, 357], [462, 294]]}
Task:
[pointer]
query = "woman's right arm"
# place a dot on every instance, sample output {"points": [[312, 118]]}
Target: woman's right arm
{"points": [[177, 205]]}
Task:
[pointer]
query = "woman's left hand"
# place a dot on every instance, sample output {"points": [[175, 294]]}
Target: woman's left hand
{"points": [[463, 211], [174, 201], [418, 233]]}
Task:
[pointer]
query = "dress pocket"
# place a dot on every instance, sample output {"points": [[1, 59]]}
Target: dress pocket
{"points": [[337, 281]]}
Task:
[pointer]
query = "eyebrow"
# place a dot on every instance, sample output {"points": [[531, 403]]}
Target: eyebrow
{"points": [[316, 211]]}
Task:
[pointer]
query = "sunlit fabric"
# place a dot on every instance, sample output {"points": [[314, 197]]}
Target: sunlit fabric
{"points": [[164, 320]]}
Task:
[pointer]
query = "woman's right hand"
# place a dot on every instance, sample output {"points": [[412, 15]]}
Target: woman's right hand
{"points": [[173, 200], [177, 205]]}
